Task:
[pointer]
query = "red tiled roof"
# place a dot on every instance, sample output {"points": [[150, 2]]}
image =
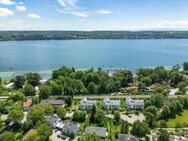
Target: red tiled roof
{"points": [[27, 104]]}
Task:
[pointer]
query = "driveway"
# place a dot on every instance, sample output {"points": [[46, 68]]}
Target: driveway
{"points": [[131, 118]]}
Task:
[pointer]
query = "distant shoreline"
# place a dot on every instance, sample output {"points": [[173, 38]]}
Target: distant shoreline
{"points": [[80, 35]]}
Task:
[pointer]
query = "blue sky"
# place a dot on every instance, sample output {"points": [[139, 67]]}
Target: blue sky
{"points": [[94, 15]]}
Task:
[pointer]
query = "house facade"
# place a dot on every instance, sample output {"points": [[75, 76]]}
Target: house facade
{"points": [[87, 104], [111, 104], [134, 104]]}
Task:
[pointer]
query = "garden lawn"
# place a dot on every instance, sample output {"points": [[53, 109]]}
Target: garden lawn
{"points": [[179, 119]]}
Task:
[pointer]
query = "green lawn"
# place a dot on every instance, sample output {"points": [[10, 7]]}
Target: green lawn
{"points": [[179, 119]]}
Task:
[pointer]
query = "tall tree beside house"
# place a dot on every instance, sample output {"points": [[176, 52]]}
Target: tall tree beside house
{"points": [[163, 135], [124, 127], [91, 137], [61, 112], [19, 81], [7, 136], [33, 78], [29, 90], [16, 115], [79, 116], [93, 111], [45, 92], [57, 89], [44, 131], [117, 117], [140, 129]]}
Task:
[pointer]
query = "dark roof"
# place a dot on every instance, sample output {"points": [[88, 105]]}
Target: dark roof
{"points": [[71, 126], [98, 130], [52, 101], [133, 139], [52, 119], [122, 137]]}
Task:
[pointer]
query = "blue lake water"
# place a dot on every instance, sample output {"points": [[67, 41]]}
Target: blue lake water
{"points": [[132, 54]]}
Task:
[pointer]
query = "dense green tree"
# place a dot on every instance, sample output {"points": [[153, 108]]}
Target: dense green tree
{"points": [[157, 100], [45, 92], [57, 89], [68, 101], [33, 78], [19, 81], [185, 66], [44, 131], [117, 117], [112, 131], [29, 90], [27, 125], [163, 135], [16, 115], [163, 124], [93, 111], [124, 127], [152, 109], [7, 136], [165, 113], [38, 112], [35, 99], [92, 88], [140, 129], [182, 87], [79, 116], [150, 119], [90, 137], [146, 81], [100, 118], [61, 112]]}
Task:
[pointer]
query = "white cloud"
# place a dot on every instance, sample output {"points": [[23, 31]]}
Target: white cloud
{"points": [[20, 3], [20, 8], [7, 2], [79, 14], [68, 4], [34, 16], [4, 12], [104, 12]]}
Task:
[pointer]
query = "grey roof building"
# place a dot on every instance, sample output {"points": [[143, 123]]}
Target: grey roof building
{"points": [[86, 104], [52, 120], [71, 127], [100, 131], [54, 102], [111, 104], [124, 137]]}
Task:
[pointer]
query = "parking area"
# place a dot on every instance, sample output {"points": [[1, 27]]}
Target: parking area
{"points": [[56, 136], [131, 118]]}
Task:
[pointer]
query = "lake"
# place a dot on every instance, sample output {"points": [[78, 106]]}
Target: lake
{"points": [[19, 56]]}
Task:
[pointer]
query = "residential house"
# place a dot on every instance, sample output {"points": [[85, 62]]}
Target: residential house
{"points": [[111, 104], [134, 104], [70, 128], [53, 120], [124, 137], [27, 105], [9, 86], [87, 104], [54, 102], [100, 131]]}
